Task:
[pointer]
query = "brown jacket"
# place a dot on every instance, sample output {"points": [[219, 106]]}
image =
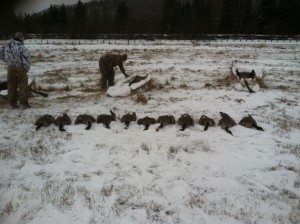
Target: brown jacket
{"points": [[113, 60]]}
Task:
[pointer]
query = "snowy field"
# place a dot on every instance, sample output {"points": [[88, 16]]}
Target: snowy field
{"points": [[119, 176]]}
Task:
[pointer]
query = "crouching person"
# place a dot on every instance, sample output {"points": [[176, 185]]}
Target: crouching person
{"points": [[107, 64], [17, 58]]}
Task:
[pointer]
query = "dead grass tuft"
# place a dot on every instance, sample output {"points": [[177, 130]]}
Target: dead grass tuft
{"points": [[282, 87], [207, 85], [38, 58], [244, 57], [74, 49], [83, 71], [140, 98], [261, 83], [90, 90], [147, 55], [83, 97], [261, 46], [227, 81], [183, 86], [8, 208], [151, 85], [3, 100], [291, 149], [6, 153], [167, 83], [145, 147], [220, 52], [54, 89], [297, 184], [54, 73]]}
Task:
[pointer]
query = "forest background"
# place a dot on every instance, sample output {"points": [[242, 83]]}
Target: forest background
{"points": [[157, 16]]}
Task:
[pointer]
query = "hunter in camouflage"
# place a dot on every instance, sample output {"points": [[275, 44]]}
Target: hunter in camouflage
{"points": [[107, 64], [17, 58]]}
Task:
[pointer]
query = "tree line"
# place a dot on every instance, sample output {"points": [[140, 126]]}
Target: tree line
{"points": [[159, 16]]}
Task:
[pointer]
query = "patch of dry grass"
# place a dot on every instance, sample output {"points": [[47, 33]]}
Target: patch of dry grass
{"points": [[90, 90], [282, 87], [259, 46], [183, 86], [70, 49], [53, 73], [83, 97], [244, 57], [288, 102], [261, 83], [220, 52], [140, 98], [55, 89], [150, 86], [147, 55], [227, 81], [3, 100], [6, 153], [38, 58], [83, 71]]}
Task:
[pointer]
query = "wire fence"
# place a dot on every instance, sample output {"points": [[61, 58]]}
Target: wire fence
{"points": [[145, 39]]}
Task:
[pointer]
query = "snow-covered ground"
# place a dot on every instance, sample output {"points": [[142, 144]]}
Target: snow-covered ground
{"points": [[120, 176]]}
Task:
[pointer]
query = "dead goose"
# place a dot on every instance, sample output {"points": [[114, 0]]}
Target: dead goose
{"points": [[206, 121], [165, 120], [146, 121], [106, 119], [245, 75], [44, 121], [185, 121], [127, 118], [138, 79], [226, 122], [249, 122], [61, 121], [85, 119]]}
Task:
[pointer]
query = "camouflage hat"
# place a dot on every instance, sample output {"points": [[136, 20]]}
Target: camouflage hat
{"points": [[19, 36]]}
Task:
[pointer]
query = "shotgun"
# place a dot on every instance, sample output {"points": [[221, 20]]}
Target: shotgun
{"points": [[3, 86]]}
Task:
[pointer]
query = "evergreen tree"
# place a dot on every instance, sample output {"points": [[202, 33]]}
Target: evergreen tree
{"points": [[247, 18], [185, 18], [122, 18], [229, 16], [267, 16], [28, 27], [156, 16], [9, 22], [62, 19], [171, 13], [289, 16], [53, 19], [79, 19], [197, 19]]}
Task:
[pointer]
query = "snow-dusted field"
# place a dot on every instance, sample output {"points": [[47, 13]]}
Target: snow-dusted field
{"points": [[119, 176]]}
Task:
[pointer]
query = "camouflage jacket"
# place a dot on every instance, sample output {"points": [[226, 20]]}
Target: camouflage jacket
{"points": [[112, 60], [15, 53]]}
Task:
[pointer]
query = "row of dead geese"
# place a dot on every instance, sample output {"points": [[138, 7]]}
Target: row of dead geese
{"points": [[184, 121]]}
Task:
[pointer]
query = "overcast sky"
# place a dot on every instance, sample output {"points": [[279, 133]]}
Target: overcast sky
{"points": [[31, 6]]}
